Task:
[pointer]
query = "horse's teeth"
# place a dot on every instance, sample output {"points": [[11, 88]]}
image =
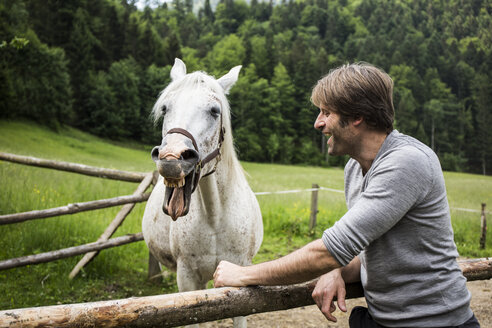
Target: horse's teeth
{"points": [[174, 183]]}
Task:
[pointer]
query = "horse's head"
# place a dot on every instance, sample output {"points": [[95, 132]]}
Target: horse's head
{"points": [[193, 106]]}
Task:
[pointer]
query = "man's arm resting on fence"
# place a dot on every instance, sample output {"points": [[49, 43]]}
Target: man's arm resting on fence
{"points": [[304, 264]]}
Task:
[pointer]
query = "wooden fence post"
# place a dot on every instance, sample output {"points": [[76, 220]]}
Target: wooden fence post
{"points": [[484, 228], [314, 208]]}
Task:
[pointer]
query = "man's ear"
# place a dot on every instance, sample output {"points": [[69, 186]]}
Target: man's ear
{"points": [[357, 121]]}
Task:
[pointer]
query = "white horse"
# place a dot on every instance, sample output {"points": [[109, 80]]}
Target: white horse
{"points": [[202, 209]]}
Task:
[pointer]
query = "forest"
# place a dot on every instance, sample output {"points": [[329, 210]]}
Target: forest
{"points": [[99, 65]]}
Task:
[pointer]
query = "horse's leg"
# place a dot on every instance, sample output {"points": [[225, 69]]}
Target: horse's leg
{"points": [[188, 280], [240, 322]]}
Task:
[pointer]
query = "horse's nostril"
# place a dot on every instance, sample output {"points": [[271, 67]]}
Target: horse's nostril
{"points": [[189, 155], [155, 153]]}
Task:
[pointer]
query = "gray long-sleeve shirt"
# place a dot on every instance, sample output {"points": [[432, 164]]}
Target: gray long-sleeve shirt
{"points": [[398, 222]]}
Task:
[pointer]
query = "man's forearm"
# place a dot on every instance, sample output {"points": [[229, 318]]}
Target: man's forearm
{"points": [[351, 272], [305, 264]]}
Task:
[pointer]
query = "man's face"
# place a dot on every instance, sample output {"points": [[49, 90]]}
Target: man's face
{"points": [[340, 138]]}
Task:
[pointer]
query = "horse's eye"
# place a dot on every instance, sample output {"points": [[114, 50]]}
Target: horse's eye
{"points": [[163, 109], [215, 111]]}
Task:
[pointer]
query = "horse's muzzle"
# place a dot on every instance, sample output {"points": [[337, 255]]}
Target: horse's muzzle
{"points": [[179, 173], [174, 167]]}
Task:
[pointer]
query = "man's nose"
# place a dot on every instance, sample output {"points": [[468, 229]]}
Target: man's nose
{"points": [[319, 123]]}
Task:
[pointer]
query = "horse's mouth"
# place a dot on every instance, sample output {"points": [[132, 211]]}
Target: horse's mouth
{"points": [[178, 195]]}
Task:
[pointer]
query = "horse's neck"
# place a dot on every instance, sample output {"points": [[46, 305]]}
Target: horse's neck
{"points": [[213, 189]]}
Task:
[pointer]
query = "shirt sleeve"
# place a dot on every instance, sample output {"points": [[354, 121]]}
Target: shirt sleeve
{"points": [[397, 182]]}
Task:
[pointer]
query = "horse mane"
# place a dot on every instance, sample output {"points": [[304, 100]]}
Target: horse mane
{"points": [[200, 79]]}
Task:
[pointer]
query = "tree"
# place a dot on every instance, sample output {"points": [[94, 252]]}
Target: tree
{"points": [[249, 108], [407, 115], [172, 49], [101, 116], [35, 82], [482, 94], [226, 53], [123, 80], [154, 80], [80, 55]]}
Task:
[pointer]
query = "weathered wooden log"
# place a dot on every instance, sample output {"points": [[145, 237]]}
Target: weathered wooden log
{"points": [[164, 310], [117, 221], [183, 308], [74, 167], [72, 208], [68, 252], [476, 269]]}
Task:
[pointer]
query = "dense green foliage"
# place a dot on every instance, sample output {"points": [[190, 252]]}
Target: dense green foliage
{"points": [[99, 66]]}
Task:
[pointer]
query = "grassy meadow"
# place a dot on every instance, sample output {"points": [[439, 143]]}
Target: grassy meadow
{"points": [[122, 272]]}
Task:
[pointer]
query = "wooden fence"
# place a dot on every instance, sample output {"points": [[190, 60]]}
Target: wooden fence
{"points": [[163, 310], [90, 250], [179, 309]]}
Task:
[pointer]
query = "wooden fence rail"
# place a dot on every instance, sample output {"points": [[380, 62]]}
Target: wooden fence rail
{"points": [[68, 252], [188, 308], [117, 221], [74, 167], [72, 208]]}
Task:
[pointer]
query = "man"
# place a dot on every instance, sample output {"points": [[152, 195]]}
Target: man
{"points": [[396, 237]]}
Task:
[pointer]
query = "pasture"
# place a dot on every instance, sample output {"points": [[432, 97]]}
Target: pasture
{"points": [[122, 272]]}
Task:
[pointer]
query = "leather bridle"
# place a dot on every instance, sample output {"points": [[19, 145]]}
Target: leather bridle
{"points": [[201, 162]]}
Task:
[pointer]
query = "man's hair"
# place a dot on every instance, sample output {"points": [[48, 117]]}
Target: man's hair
{"points": [[358, 90]]}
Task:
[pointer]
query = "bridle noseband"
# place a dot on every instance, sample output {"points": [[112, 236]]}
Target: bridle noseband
{"points": [[201, 162]]}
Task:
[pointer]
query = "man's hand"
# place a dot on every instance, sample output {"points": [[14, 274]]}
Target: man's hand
{"points": [[327, 287], [229, 274]]}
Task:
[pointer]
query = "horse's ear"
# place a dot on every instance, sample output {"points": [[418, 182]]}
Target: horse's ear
{"points": [[178, 70], [228, 80]]}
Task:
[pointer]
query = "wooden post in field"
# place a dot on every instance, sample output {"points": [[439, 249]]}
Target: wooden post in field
{"points": [[314, 208], [484, 228]]}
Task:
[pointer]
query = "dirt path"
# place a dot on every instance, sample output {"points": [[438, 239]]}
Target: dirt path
{"points": [[310, 316]]}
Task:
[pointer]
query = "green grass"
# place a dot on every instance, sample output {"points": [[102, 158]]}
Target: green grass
{"points": [[122, 272]]}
